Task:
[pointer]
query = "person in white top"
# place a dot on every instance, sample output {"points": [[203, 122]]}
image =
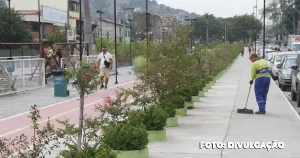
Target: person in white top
{"points": [[105, 63]]}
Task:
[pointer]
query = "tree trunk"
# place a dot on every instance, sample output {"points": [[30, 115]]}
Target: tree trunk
{"points": [[88, 34], [79, 141]]}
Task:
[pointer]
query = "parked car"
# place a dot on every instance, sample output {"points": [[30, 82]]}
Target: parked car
{"points": [[269, 57], [277, 60], [295, 89], [260, 52], [284, 72]]}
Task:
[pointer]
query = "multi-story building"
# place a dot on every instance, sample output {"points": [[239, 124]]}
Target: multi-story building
{"points": [[154, 26], [53, 13], [108, 31]]}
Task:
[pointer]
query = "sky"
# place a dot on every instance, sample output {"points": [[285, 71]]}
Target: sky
{"points": [[220, 8]]}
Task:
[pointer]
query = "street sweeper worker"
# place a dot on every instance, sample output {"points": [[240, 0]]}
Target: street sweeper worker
{"points": [[260, 73]]}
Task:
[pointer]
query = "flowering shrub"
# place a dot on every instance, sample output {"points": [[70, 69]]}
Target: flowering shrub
{"points": [[86, 77], [117, 109], [43, 140]]}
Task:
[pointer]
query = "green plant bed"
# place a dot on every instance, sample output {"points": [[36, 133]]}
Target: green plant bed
{"points": [[181, 112], [208, 86], [189, 105], [172, 121], [205, 89], [201, 94], [195, 98], [156, 136], [133, 153]]}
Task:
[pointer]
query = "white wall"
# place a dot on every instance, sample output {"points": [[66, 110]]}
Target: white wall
{"points": [[33, 4]]}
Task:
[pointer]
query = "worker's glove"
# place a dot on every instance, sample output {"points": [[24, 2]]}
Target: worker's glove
{"points": [[251, 82]]}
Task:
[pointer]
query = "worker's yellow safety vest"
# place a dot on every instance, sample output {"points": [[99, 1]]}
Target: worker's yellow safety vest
{"points": [[260, 68]]}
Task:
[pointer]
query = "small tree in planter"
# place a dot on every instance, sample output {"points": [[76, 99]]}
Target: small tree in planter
{"points": [[86, 82], [128, 137], [155, 120], [178, 103], [187, 93], [91, 145], [172, 120]]}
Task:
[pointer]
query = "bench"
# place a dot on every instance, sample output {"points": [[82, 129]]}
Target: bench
{"points": [[7, 83]]}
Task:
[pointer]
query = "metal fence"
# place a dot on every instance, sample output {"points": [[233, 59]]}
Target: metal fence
{"points": [[20, 57], [21, 75], [65, 63]]}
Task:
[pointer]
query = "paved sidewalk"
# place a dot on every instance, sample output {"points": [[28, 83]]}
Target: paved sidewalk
{"points": [[215, 120], [19, 103]]}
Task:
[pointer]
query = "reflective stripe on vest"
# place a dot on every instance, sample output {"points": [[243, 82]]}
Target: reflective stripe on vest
{"points": [[262, 71]]}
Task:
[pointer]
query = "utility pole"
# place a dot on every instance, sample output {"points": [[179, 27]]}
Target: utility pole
{"points": [[80, 31], [147, 23], [225, 32], [264, 32], [116, 52], [100, 12], [68, 19], [255, 29], [207, 37], [10, 29], [130, 21]]}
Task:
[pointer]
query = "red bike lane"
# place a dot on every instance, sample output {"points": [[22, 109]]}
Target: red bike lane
{"points": [[13, 127]]}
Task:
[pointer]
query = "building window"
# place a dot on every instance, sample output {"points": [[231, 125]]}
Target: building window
{"points": [[74, 6], [34, 27]]}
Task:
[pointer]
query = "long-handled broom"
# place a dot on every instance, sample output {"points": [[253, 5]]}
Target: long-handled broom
{"points": [[245, 110]]}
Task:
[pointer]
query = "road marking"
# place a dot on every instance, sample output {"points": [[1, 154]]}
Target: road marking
{"points": [[51, 118], [291, 106], [48, 106]]}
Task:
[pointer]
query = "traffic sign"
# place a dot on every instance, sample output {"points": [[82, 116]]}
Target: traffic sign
{"points": [[71, 35]]}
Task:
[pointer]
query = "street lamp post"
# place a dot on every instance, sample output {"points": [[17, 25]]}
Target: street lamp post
{"points": [[10, 28], [255, 28], [40, 35], [191, 20], [147, 22], [80, 31], [130, 35], [100, 12], [116, 54]]}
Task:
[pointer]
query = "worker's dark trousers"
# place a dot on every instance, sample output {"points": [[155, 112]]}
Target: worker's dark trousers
{"points": [[261, 88]]}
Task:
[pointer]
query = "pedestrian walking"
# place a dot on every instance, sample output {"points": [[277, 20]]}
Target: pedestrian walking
{"points": [[249, 49], [261, 74], [242, 52], [105, 63]]}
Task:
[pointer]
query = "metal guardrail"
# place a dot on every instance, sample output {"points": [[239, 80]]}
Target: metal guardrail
{"points": [[21, 75], [20, 57]]}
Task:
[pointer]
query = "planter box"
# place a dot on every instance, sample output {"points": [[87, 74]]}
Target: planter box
{"points": [[133, 153], [156, 136], [205, 89], [190, 105], [181, 112], [172, 121], [195, 98], [201, 94], [208, 86]]}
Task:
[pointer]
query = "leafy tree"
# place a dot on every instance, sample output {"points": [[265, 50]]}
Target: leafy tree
{"points": [[242, 27], [58, 35], [19, 28]]}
